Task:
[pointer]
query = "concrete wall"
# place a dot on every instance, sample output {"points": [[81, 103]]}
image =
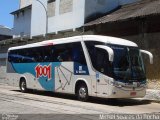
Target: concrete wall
{"points": [[22, 24], [68, 20], [150, 42], [3, 56], [38, 24], [60, 21], [24, 3], [95, 8], [2, 70]]}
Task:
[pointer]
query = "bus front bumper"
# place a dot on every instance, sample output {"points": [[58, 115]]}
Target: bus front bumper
{"points": [[122, 92]]}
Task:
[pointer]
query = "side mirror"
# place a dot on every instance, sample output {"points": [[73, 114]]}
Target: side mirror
{"points": [[149, 54], [109, 50]]}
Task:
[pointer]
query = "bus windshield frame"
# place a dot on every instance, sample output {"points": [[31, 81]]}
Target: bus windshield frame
{"points": [[128, 57], [128, 63]]}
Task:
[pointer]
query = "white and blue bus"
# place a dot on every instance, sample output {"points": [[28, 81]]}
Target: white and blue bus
{"points": [[88, 65]]}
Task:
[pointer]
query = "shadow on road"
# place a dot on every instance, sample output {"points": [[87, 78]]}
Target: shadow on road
{"points": [[103, 101]]}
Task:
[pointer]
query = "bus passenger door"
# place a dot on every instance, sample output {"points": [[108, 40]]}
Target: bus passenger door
{"points": [[103, 68], [101, 85]]}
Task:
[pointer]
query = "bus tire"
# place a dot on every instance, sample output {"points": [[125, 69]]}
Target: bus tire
{"points": [[23, 85], [82, 92]]}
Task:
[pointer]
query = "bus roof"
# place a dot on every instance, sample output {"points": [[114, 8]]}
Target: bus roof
{"points": [[106, 39]]}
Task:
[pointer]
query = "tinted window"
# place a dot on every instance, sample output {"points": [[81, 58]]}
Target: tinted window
{"points": [[99, 58], [70, 52], [28, 55]]}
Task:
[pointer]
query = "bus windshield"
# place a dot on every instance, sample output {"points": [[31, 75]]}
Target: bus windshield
{"points": [[128, 63]]}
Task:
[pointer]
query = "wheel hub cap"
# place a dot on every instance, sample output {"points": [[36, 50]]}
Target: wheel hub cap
{"points": [[82, 92], [23, 85]]}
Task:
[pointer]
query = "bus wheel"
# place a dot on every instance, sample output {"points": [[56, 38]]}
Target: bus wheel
{"points": [[23, 85], [82, 93]]}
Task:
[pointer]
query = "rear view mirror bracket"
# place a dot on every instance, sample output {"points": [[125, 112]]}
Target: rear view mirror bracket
{"points": [[109, 50], [149, 54]]}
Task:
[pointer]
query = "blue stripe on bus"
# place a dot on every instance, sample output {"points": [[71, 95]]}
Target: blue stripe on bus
{"points": [[48, 85]]}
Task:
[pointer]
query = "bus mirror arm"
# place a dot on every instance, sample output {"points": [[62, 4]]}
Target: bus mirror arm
{"points": [[109, 50], [149, 54]]}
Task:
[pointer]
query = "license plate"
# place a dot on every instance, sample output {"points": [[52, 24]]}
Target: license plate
{"points": [[133, 93]]}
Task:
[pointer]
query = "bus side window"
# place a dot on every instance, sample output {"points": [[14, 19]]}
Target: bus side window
{"points": [[61, 53], [78, 54], [15, 56], [11, 56], [69, 52], [75, 54]]}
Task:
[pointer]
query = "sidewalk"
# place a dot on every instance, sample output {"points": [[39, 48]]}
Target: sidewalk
{"points": [[153, 94]]}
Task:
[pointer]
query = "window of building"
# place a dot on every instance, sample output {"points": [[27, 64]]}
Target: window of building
{"points": [[65, 6], [101, 2], [51, 8]]}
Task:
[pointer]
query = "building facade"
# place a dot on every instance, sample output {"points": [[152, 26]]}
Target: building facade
{"points": [[22, 22], [24, 3], [38, 17]]}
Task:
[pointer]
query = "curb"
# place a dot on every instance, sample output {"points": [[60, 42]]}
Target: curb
{"points": [[151, 94]]}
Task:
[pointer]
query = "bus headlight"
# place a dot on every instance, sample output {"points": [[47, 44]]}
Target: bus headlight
{"points": [[119, 86], [115, 83], [112, 83]]}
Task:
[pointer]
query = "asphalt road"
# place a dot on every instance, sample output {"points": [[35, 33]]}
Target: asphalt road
{"points": [[47, 105]]}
